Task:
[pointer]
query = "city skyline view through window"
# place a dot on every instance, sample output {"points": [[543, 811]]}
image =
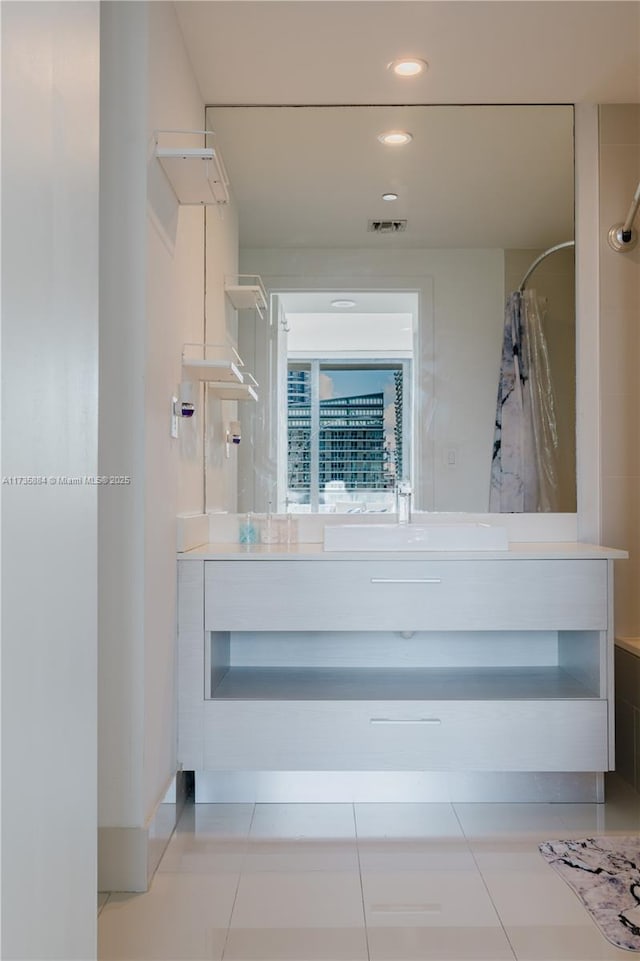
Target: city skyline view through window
{"points": [[345, 435]]}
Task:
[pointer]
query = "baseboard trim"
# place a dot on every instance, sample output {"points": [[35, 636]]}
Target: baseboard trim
{"points": [[163, 823], [128, 857], [122, 859]]}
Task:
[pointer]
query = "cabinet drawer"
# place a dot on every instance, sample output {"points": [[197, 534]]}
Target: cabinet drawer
{"points": [[406, 595], [414, 735]]}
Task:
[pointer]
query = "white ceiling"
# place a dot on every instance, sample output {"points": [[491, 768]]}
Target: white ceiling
{"points": [[490, 176], [336, 51], [314, 178]]}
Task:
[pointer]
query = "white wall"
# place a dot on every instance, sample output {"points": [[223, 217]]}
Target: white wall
{"points": [[50, 74], [122, 361], [175, 281], [619, 352], [461, 298], [221, 327], [151, 303]]}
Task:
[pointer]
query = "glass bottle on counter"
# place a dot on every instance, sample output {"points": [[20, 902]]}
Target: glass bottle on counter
{"points": [[291, 530], [247, 529], [269, 531]]}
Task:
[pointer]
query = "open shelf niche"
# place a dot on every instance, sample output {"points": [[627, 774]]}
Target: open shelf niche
{"points": [[221, 372], [398, 684], [246, 292], [511, 665], [196, 173]]}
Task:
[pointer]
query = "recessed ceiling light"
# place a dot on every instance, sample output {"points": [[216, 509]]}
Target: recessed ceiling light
{"points": [[408, 66], [390, 196], [343, 304], [395, 137]]}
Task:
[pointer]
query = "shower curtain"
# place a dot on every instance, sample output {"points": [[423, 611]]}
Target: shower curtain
{"points": [[524, 473]]}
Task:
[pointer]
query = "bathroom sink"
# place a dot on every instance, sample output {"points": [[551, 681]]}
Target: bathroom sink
{"points": [[415, 537]]}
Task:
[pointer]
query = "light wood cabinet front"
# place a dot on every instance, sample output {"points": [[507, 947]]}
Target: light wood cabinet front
{"points": [[406, 595], [414, 735]]}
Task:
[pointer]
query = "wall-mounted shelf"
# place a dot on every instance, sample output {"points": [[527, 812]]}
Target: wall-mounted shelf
{"points": [[227, 391], [246, 292], [222, 375], [217, 371], [197, 174]]}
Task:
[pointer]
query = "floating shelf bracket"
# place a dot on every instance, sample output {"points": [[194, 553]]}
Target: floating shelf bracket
{"points": [[197, 174]]}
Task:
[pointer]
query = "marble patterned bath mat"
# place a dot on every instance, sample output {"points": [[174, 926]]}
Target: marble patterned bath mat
{"points": [[605, 874]]}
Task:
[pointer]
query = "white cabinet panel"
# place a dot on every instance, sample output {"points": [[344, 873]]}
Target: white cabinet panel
{"points": [[414, 735], [406, 595]]}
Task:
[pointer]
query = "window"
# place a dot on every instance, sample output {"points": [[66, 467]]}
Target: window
{"points": [[347, 435], [344, 402]]}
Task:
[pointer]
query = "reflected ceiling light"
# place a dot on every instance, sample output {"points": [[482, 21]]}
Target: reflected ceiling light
{"points": [[343, 304], [390, 196], [395, 138], [408, 67]]}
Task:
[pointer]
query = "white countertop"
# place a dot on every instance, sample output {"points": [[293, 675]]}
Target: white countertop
{"points": [[630, 644], [316, 552]]}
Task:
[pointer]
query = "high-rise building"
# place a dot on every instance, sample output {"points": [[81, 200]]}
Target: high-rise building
{"points": [[352, 445], [398, 427], [298, 387]]}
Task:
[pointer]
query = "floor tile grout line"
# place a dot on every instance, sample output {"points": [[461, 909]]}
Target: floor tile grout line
{"points": [[364, 909], [484, 882], [240, 873]]}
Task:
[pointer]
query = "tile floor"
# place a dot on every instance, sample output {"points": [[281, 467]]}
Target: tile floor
{"points": [[386, 882]]}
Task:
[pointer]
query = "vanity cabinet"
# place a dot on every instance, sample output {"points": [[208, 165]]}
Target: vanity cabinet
{"points": [[406, 595], [314, 661]]}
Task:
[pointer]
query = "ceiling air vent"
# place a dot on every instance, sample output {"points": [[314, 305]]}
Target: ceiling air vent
{"points": [[387, 226]]}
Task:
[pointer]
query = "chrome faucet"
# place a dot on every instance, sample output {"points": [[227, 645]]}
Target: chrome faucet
{"points": [[403, 499]]}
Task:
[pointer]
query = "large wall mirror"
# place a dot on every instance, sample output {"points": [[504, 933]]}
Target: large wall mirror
{"points": [[390, 270]]}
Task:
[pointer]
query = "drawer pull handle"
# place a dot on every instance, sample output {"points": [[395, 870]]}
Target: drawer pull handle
{"points": [[406, 580], [434, 721]]}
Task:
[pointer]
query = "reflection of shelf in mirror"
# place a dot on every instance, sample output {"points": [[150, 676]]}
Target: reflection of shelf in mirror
{"points": [[227, 391], [197, 174], [218, 371], [248, 296]]}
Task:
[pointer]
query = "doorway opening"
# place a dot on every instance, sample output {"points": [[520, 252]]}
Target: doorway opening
{"points": [[346, 371]]}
